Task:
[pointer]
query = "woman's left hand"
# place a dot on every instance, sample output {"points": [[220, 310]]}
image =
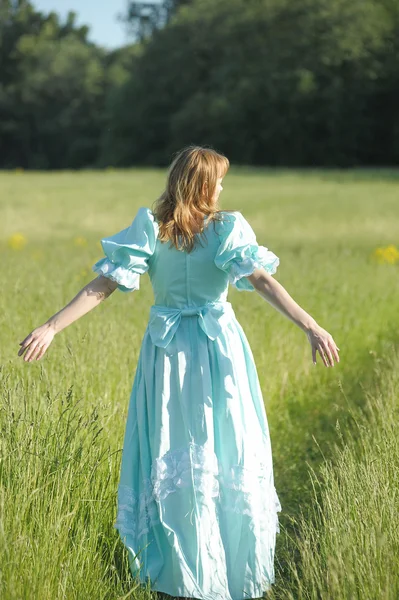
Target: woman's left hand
{"points": [[323, 342]]}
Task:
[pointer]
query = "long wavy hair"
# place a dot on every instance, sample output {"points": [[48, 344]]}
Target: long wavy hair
{"points": [[187, 205]]}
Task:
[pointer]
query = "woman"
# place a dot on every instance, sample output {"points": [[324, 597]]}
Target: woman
{"points": [[197, 506]]}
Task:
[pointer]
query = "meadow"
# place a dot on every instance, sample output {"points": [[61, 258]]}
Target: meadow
{"points": [[333, 430]]}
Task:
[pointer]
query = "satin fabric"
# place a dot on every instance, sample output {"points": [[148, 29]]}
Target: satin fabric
{"points": [[164, 321], [197, 505]]}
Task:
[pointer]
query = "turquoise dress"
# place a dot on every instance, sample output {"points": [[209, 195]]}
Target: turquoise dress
{"points": [[197, 506]]}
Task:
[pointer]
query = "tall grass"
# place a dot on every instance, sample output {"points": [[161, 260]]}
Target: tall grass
{"points": [[347, 544], [56, 496]]}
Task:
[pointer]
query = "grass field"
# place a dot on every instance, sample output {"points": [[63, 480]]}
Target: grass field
{"points": [[333, 431]]}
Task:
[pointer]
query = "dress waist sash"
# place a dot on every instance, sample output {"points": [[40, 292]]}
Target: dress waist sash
{"points": [[165, 320]]}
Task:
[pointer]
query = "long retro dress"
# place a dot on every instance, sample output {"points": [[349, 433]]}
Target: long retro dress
{"points": [[197, 506]]}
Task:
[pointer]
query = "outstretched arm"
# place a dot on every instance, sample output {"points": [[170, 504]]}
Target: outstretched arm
{"points": [[37, 342], [272, 291]]}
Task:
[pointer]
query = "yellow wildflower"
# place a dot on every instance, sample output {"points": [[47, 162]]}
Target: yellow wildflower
{"points": [[379, 255], [17, 241], [389, 255]]}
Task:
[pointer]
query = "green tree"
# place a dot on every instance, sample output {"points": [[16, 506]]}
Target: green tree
{"points": [[52, 90], [146, 17], [267, 81]]}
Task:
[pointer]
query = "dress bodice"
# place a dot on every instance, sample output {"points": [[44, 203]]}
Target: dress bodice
{"points": [[183, 279]]}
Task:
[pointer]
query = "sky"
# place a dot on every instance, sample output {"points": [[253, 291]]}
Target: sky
{"points": [[99, 15]]}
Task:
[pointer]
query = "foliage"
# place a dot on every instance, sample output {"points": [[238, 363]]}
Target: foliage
{"points": [[53, 89], [311, 82], [269, 83], [146, 17]]}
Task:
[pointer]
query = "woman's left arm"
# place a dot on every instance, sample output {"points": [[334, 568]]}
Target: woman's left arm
{"points": [[276, 295]]}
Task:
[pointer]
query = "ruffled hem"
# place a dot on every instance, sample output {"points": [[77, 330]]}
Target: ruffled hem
{"points": [[138, 514], [127, 280], [238, 271], [241, 491]]}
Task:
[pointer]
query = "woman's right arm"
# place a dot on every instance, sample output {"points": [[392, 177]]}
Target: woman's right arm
{"points": [[37, 342], [272, 291]]}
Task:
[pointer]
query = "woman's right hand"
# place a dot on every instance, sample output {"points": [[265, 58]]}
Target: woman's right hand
{"points": [[321, 341], [37, 342]]}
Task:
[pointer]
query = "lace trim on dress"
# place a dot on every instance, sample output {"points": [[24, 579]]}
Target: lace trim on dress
{"points": [[241, 490], [262, 257], [128, 279], [248, 266]]}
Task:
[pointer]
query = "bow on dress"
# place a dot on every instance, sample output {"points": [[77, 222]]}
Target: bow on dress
{"points": [[164, 321]]}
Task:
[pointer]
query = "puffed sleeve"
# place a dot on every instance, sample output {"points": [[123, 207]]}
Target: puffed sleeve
{"points": [[128, 252], [239, 254]]}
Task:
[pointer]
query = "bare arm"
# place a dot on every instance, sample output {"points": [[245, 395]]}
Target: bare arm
{"points": [[37, 342], [88, 298], [274, 293]]}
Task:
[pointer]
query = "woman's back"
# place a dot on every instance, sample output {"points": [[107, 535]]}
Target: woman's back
{"points": [[182, 279]]}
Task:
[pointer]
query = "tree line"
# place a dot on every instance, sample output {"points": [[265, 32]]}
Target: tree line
{"points": [[267, 82]]}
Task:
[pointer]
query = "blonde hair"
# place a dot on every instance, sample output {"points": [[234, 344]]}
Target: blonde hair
{"points": [[188, 197]]}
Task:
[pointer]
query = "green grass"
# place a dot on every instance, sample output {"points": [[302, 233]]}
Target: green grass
{"points": [[346, 542], [62, 419]]}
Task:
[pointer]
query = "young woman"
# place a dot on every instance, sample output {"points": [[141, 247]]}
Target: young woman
{"points": [[197, 506]]}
